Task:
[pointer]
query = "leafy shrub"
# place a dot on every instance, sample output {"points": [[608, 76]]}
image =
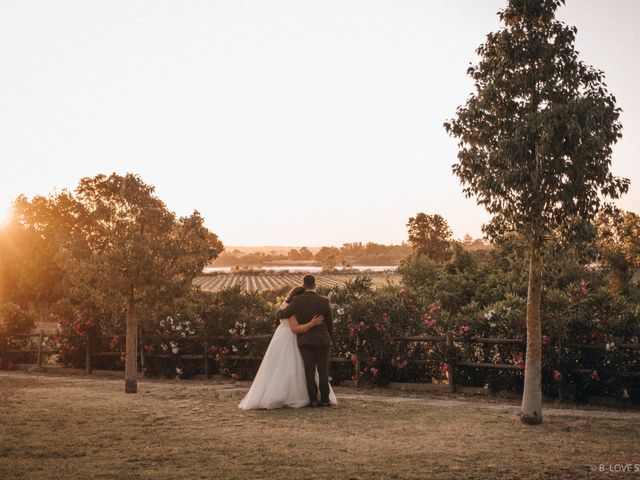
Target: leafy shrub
{"points": [[13, 321], [473, 294]]}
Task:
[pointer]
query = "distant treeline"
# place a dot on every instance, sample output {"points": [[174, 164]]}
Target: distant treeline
{"points": [[350, 254]]}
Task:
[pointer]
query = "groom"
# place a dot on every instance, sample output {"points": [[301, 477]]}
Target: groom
{"points": [[315, 343]]}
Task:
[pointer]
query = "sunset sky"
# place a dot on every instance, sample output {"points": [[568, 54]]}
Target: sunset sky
{"points": [[285, 122]]}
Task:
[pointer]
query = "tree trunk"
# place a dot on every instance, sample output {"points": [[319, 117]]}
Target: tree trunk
{"points": [[532, 396], [130, 381]]}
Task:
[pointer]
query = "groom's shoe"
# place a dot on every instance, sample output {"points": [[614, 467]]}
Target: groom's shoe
{"points": [[326, 404], [314, 404]]}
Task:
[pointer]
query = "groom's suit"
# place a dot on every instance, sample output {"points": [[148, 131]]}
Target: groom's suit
{"points": [[315, 343]]}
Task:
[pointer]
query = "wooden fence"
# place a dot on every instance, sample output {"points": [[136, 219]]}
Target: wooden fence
{"points": [[451, 341]]}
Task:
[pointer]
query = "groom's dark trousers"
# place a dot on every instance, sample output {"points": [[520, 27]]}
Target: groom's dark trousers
{"points": [[315, 343]]}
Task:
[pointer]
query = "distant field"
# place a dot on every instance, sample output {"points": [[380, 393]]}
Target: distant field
{"points": [[259, 282]]}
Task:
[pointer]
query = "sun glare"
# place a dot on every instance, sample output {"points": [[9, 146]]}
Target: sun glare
{"points": [[5, 216]]}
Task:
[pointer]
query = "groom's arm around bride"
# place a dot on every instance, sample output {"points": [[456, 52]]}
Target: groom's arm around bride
{"points": [[305, 306]]}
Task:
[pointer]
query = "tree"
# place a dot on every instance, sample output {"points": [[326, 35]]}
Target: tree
{"points": [[293, 254], [306, 254], [329, 264], [535, 143], [133, 248], [430, 235], [325, 252], [30, 272]]}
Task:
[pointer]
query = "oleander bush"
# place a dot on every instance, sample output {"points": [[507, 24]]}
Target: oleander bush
{"points": [[473, 294], [484, 294]]}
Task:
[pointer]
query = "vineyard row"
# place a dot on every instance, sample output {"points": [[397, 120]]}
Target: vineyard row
{"points": [[257, 283]]}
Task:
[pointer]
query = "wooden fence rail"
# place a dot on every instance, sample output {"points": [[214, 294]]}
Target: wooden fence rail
{"points": [[449, 339]]}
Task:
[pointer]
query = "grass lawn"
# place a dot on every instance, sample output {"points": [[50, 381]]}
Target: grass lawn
{"points": [[54, 427]]}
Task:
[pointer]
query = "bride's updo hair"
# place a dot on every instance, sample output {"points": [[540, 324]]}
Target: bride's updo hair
{"points": [[294, 293]]}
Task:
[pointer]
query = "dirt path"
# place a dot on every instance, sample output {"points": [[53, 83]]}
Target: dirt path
{"points": [[384, 396]]}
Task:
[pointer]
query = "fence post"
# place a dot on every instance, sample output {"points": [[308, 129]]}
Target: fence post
{"points": [[356, 364], [207, 373], [141, 347], [87, 356], [451, 362], [39, 362]]}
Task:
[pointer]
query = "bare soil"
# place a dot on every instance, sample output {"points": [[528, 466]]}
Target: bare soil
{"points": [[54, 427]]}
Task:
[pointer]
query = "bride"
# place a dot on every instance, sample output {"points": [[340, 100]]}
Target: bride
{"points": [[280, 381]]}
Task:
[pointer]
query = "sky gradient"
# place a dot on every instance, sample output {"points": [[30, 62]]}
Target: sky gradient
{"points": [[284, 122]]}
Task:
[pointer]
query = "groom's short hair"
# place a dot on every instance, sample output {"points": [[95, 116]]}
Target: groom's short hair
{"points": [[309, 282]]}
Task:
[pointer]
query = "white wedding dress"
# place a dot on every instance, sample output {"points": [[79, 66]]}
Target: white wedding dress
{"points": [[280, 379]]}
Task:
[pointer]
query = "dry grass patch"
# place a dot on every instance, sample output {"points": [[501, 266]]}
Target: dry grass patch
{"points": [[62, 428]]}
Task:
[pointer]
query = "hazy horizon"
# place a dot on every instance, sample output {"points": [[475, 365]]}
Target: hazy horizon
{"points": [[283, 122]]}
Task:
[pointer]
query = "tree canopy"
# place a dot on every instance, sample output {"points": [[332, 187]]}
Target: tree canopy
{"points": [[536, 136], [430, 235], [111, 246]]}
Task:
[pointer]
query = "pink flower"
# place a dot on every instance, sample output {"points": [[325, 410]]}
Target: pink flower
{"points": [[374, 371], [557, 376], [518, 359], [595, 376], [398, 362], [434, 307], [234, 377], [354, 358], [583, 288], [546, 339], [445, 367], [464, 330], [356, 328], [427, 317], [385, 317]]}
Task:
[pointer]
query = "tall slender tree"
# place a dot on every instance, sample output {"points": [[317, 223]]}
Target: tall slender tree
{"points": [[535, 143]]}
